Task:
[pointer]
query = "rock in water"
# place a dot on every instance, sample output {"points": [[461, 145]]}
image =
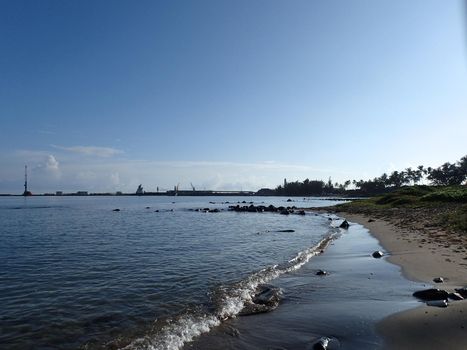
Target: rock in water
{"points": [[345, 225], [266, 299], [322, 344], [377, 254], [116, 209], [438, 280], [321, 273], [431, 294]]}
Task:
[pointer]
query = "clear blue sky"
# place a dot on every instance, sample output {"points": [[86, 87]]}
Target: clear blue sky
{"points": [[104, 95]]}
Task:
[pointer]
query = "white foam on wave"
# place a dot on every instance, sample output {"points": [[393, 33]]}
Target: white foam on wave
{"points": [[231, 301]]}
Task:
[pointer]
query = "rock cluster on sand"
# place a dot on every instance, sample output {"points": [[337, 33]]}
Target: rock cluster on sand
{"points": [[438, 297], [431, 294]]}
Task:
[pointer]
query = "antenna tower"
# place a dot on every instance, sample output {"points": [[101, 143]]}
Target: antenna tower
{"points": [[26, 192]]}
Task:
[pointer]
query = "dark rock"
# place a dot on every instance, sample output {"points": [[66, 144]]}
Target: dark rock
{"points": [[321, 273], [301, 212], [116, 209], [266, 299], [214, 210], [285, 212], [322, 344], [205, 209], [148, 207], [431, 294], [345, 225], [371, 220], [252, 209], [233, 332], [156, 211], [285, 231], [438, 280], [455, 296], [462, 291], [289, 200], [377, 254], [437, 303], [330, 219], [267, 295]]}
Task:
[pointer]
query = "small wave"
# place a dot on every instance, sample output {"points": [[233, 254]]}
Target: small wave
{"points": [[228, 302], [32, 207]]}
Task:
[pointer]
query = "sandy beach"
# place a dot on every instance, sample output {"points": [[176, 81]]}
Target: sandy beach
{"points": [[423, 255]]}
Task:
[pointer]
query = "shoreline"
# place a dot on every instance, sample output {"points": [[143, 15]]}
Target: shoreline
{"points": [[422, 257], [344, 305]]}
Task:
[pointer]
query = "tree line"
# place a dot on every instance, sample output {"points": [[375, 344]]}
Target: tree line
{"points": [[445, 175]]}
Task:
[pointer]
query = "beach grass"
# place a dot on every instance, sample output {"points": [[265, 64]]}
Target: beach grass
{"points": [[437, 206]]}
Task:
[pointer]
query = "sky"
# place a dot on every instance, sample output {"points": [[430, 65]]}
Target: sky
{"points": [[234, 95]]}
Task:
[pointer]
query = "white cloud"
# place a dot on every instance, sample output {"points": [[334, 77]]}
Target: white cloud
{"points": [[91, 150], [51, 163], [68, 171]]}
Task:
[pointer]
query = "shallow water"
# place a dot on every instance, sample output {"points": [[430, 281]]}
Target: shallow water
{"points": [[75, 274], [344, 305]]}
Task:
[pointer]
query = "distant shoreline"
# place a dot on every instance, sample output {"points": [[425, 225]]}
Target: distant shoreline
{"points": [[185, 194]]}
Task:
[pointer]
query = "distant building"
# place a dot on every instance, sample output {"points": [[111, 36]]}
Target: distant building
{"points": [[82, 193], [119, 193], [140, 190], [59, 193]]}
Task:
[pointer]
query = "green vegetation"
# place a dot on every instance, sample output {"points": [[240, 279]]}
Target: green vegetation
{"points": [[433, 206], [446, 175], [416, 196], [447, 194], [456, 219]]}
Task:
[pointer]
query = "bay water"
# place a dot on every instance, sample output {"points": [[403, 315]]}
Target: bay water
{"points": [[75, 274]]}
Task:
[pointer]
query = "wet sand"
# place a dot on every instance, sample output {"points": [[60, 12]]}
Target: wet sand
{"points": [[344, 305], [424, 255]]}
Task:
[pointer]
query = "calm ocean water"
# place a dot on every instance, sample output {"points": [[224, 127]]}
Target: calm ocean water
{"points": [[75, 274]]}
